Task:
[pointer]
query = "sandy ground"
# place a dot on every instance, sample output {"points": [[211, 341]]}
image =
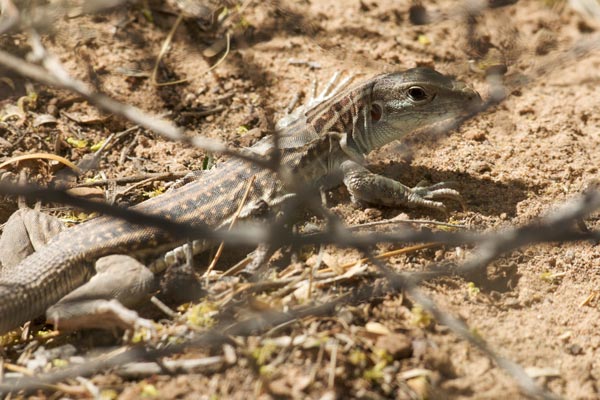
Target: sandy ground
{"points": [[515, 162]]}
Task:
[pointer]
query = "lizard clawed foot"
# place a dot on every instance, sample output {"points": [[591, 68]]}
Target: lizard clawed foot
{"points": [[257, 266], [426, 195]]}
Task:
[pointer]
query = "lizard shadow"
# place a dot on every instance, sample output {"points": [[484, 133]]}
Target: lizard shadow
{"points": [[481, 194]]}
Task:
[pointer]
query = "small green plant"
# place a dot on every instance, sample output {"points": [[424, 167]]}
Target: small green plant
{"points": [[201, 315], [262, 354], [148, 390], [472, 289], [77, 143], [420, 317]]}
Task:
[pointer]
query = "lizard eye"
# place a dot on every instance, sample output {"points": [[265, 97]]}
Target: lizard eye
{"points": [[417, 93], [376, 112]]}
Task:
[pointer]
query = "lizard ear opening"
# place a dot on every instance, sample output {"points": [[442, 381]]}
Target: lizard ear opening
{"points": [[376, 112]]}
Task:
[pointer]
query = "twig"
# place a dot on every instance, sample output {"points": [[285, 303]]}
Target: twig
{"points": [[163, 50], [397, 220], [311, 275], [165, 47], [547, 230], [385, 255], [135, 186], [163, 307], [238, 267], [332, 363]]}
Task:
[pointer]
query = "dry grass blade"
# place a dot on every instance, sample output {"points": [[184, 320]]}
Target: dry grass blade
{"points": [[165, 48], [41, 156], [383, 256]]}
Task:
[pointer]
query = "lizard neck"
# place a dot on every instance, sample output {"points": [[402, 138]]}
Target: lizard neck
{"points": [[349, 115], [346, 115]]}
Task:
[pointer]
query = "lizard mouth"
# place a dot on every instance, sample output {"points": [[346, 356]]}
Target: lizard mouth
{"points": [[444, 125]]}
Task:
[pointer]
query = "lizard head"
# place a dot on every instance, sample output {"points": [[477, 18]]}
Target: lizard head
{"points": [[403, 102]]}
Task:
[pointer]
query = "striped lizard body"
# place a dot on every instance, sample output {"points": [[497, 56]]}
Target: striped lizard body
{"points": [[331, 136]]}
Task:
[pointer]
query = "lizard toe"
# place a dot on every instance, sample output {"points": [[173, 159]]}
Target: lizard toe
{"points": [[447, 194], [429, 196]]}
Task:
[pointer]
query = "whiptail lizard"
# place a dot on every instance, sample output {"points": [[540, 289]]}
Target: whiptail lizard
{"points": [[334, 135]]}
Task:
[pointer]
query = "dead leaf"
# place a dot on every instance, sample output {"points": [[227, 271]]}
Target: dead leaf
{"points": [[89, 193], [44, 119], [377, 328]]}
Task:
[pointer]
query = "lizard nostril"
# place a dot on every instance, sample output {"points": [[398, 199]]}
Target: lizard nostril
{"points": [[472, 96]]}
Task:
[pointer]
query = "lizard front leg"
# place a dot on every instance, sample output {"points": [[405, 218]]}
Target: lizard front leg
{"points": [[367, 187]]}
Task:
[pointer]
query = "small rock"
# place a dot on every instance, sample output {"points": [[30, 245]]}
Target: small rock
{"points": [[280, 387], [377, 328], [439, 255], [417, 14], [229, 354], [478, 136], [52, 110], [481, 167], [189, 99], [496, 296], [329, 395], [420, 386], [575, 349], [395, 344], [5, 143]]}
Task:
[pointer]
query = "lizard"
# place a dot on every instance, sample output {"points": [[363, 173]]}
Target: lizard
{"points": [[334, 135]]}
